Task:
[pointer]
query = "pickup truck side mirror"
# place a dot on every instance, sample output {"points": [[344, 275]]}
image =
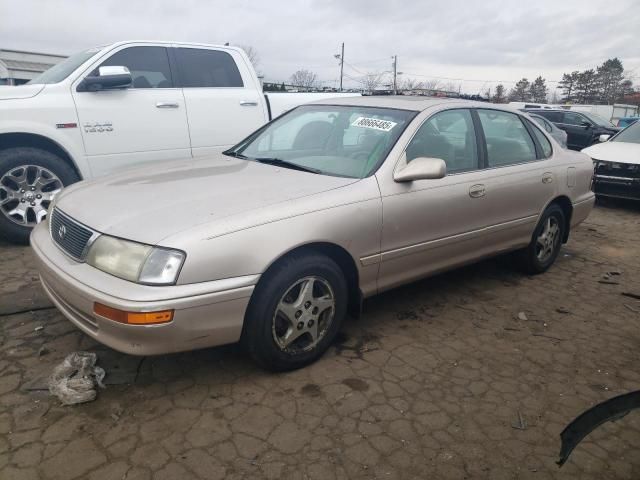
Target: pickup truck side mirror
{"points": [[421, 168], [604, 137], [108, 78]]}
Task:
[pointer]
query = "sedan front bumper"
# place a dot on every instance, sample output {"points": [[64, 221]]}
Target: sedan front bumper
{"points": [[205, 314]]}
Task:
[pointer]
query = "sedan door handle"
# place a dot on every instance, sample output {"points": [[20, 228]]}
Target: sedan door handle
{"points": [[476, 191], [547, 177], [166, 105], [248, 103]]}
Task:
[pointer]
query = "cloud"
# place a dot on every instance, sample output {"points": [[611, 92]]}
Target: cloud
{"points": [[482, 41]]}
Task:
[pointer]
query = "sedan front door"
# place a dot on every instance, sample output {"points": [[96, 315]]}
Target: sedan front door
{"points": [[430, 225]]}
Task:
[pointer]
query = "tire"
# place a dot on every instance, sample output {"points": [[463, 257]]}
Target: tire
{"points": [[266, 327], [537, 257], [42, 174]]}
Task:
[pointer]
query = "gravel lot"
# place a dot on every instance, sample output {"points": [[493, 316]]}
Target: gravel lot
{"points": [[472, 374]]}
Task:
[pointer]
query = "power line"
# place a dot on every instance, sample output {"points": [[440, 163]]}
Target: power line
{"points": [[471, 79]]}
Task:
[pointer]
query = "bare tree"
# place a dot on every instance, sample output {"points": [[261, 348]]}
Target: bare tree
{"points": [[451, 87], [372, 80], [431, 84], [304, 79], [252, 53], [409, 83]]}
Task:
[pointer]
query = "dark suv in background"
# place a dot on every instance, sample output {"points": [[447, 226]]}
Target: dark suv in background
{"points": [[583, 129]]}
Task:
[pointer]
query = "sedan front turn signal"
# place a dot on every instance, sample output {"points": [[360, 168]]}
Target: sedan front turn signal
{"points": [[133, 318]]}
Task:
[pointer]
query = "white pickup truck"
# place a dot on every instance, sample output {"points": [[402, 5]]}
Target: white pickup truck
{"points": [[125, 104]]}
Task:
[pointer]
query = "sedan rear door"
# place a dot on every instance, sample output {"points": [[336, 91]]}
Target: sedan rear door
{"points": [[519, 178]]}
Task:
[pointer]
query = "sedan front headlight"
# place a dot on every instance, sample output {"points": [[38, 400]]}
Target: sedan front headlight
{"points": [[134, 261]]}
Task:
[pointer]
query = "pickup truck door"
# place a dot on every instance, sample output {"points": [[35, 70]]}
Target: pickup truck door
{"points": [[223, 98], [143, 123]]}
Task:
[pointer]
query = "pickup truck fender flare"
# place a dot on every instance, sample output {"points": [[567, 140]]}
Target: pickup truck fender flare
{"points": [[66, 139]]}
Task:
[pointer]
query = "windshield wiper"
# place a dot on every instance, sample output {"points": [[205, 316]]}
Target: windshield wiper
{"points": [[231, 153], [283, 163]]}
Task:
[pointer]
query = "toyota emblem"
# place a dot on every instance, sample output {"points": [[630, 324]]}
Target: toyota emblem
{"points": [[62, 231]]}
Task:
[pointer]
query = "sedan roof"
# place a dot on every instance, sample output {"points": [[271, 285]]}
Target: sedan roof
{"points": [[403, 102]]}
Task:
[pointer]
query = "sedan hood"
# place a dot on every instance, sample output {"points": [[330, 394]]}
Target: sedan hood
{"points": [[621, 152], [21, 91], [151, 203]]}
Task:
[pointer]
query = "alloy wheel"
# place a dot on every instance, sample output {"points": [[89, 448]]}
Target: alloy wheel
{"points": [[26, 193], [304, 315], [548, 240]]}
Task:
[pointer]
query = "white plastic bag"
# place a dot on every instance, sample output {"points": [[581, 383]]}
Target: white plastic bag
{"points": [[75, 379]]}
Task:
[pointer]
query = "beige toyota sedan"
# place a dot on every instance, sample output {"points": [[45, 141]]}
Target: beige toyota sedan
{"points": [[272, 242]]}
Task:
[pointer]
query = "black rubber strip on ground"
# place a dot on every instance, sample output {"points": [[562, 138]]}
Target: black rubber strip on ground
{"points": [[607, 411]]}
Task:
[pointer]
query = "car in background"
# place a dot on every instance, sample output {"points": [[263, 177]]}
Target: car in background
{"points": [[271, 242], [626, 121], [559, 135], [583, 128], [617, 164]]}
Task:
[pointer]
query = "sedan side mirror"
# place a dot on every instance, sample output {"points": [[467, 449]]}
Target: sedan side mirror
{"points": [[421, 168], [604, 137], [108, 78]]}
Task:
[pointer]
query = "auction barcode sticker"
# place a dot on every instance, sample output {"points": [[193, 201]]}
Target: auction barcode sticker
{"points": [[376, 124]]}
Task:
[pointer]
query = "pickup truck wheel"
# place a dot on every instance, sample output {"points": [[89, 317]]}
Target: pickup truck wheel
{"points": [[295, 312], [29, 180], [545, 243]]}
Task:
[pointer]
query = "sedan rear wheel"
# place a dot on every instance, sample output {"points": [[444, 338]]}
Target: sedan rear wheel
{"points": [[546, 241], [295, 312]]}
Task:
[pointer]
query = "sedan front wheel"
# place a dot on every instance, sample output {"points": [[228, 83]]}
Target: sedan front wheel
{"points": [[295, 312]]}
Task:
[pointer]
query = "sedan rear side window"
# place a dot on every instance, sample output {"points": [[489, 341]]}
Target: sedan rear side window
{"points": [[542, 140], [207, 68], [508, 141], [447, 135]]}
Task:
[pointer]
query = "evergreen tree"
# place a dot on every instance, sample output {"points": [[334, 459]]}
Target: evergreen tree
{"points": [[521, 92], [538, 90], [500, 95], [568, 85]]}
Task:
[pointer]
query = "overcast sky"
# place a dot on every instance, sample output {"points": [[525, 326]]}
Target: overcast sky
{"points": [[481, 42]]}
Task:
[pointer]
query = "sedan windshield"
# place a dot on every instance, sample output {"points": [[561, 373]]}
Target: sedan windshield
{"points": [[62, 70], [345, 141], [631, 134]]}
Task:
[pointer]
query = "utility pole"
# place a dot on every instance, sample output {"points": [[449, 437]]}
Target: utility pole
{"points": [[395, 74], [341, 58], [341, 65]]}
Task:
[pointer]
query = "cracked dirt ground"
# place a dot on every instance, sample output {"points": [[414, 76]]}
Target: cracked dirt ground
{"points": [[471, 374]]}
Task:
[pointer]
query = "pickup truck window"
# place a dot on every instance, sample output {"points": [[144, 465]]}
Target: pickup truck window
{"points": [[207, 68], [149, 66], [346, 141], [62, 70]]}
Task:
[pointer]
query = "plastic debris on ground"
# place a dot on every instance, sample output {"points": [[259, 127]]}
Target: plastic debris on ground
{"points": [[76, 379]]}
